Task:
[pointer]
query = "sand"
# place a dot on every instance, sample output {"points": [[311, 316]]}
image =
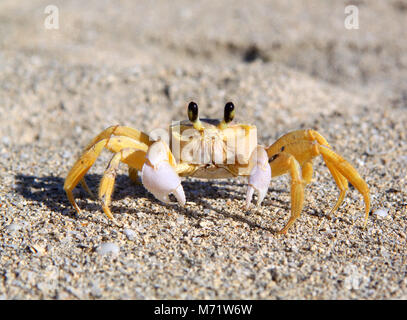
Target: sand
{"points": [[284, 66]]}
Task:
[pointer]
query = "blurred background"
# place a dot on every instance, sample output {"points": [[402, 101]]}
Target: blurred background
{"points": [[112, 61]]}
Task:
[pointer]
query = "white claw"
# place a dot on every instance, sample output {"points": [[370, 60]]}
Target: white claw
{"points": [[259, 178], [159, 177], [249, 196], [180, 195]]}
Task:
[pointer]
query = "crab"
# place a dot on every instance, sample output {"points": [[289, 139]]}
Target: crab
{"points": [[213, 149]]}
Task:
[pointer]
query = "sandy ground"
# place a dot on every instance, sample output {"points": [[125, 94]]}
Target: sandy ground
{"points": [[285, 66]]}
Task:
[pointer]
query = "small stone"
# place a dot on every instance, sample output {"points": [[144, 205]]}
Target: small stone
{"points": [[95, 291], [382, 212], [44, 287], [14, 227], [108, 248], [67, 154], [130, 234], [141, 229], [5, 140]]}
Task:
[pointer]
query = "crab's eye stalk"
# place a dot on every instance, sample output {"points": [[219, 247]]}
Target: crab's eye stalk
{"points": [[193, 115], [229, 112], [228, 115], [192, 111]]}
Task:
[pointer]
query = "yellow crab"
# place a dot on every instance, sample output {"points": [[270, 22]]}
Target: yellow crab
{"points": [[213, 149]]}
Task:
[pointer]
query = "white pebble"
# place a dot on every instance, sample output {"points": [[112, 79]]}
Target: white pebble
{"points": [[6, 140], [96, 291], [382, 212], [106, 248], [130, 234], [14, 227]]}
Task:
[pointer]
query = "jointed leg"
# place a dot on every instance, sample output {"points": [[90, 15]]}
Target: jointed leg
{"points": [[341, 170], [133, 174], [86, 187], [294, 137], [87, 159], [303, 151], [107, 183], [282, 163], [121, 131], [125, 132], [307, 172], [79, 170], [350, 173], [341, 182]]}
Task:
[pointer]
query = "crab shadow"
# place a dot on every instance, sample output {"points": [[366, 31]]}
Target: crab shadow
{"points": [[48, 191]]}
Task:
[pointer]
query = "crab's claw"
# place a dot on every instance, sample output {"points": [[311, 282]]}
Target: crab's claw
{"points": [[260, 176], [158, 175]]}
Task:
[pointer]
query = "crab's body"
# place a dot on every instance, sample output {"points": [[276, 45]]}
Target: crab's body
{"points": [[213, 149], [212, 152]]}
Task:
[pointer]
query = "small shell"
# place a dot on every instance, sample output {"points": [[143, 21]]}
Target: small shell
{"points": [[382, 212], [14, 227], [108, 248], [130, 234]]}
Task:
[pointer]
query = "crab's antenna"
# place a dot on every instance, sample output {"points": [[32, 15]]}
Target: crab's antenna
{"points": [[193, 115], [228, 115]]}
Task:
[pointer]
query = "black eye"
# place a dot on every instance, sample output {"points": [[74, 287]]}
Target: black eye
{"points": [[273, 158], [192, 111], [229, 112]]}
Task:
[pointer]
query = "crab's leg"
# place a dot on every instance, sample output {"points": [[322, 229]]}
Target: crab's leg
{"points": [[126, 132], [307, 171], [129, 156], [87, 159], [295, 136], [86, 187], [280, 164], [304, 151], [159, 174], [350, 174], [340, 181], [311, 135], [341, 170], [79, 169], [133, 174], [121, 131]]}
